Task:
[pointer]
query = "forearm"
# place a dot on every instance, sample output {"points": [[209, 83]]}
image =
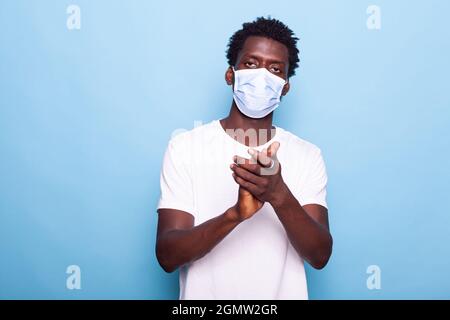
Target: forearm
{"points": [[178, 247], [311, 240]]}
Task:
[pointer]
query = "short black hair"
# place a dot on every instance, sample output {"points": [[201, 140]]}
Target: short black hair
{"points": [[269, 28]]}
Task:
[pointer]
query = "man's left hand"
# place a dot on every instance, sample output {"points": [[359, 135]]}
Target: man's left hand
{"points": [[261, 174]]}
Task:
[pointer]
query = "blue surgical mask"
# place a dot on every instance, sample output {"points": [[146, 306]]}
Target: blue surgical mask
{"points": [[257, 92]]}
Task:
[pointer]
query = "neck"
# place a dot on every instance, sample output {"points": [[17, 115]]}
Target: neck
{"points": [[236, 121]]}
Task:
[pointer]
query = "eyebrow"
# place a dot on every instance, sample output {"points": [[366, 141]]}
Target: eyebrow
{"points": [[259, 57]]}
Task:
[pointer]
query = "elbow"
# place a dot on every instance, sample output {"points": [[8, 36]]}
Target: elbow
{"points": [[164, 260], [320, 263], [166, 266], [322, 259]]}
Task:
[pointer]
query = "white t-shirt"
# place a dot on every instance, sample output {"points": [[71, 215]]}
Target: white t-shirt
{"points": [[255, 260]]}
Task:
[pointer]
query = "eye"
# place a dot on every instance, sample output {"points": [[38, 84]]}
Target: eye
{"points": [[275, 69], [250, 64]]}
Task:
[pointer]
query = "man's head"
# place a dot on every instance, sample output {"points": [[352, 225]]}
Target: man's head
{"points": [[267, 43], [261, 56]]}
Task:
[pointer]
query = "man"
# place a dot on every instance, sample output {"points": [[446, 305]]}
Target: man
{"points": [[242, 201]]}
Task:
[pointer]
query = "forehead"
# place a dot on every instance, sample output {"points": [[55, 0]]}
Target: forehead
{"points": [[264, 48]]}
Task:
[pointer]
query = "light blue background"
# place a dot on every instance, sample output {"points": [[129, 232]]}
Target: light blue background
{"points": [[85, 116]]}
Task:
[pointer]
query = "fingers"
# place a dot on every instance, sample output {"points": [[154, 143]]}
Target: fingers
{"points": [[250, 187], [247, 175], [261, 163], [248, 164], [261, 157], [265, 156], [273, 149]]}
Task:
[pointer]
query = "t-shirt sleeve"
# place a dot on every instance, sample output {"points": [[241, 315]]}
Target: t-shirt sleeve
{"points": [[315, 191], [175, 181]]}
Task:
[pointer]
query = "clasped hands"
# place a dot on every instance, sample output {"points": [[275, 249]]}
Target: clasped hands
{"points": [[259, 179]]}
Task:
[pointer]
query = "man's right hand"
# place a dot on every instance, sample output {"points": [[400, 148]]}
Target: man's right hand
{"points": [[247, 204]]}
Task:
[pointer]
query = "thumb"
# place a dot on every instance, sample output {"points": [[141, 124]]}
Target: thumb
{"points": [[273, 149]]}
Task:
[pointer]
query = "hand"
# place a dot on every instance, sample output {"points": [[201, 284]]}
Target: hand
{"points": [[246, 206], [261, 175]]}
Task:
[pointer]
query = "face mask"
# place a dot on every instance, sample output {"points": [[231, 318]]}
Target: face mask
{"points": [[257, 92]]}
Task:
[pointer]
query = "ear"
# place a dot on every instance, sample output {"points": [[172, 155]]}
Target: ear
{"points": [[286, 88], [229, 76]]}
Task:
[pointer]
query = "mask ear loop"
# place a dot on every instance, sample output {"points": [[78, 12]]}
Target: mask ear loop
{"points": [[234, 78]]}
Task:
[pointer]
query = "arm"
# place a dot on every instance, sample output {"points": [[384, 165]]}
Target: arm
{"points": [[179, 242], [307, 226]]}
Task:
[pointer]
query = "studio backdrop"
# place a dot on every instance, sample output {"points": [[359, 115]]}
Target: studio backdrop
{"points": [[92, 91]]}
